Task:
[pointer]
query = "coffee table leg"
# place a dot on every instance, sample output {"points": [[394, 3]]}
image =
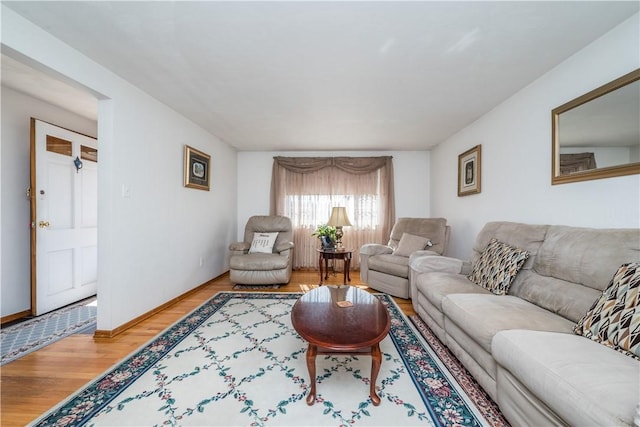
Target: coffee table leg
{"points": [[312, 351], [376, 360]]}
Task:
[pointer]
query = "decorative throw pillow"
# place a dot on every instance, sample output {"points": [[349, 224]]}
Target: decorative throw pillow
{"points": [[497, 266], [409, 243], [263, 242], [614, 318]]}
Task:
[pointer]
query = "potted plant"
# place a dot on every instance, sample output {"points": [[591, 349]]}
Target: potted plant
{"points": [[327, 235]]}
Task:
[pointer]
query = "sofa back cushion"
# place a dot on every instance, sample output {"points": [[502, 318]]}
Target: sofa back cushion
{"points": [[528, 237], [574, 265], [434, 229]]}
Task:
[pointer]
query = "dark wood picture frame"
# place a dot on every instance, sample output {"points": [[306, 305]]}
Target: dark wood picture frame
{"points": [[469, 178], [197, 169]]}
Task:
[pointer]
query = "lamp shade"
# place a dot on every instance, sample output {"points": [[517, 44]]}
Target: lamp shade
{"points": [[339, 217]]}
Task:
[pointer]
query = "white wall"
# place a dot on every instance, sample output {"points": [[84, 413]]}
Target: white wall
{"points": [[149, 244], [17, 110], [516, 154], [411, 170]]}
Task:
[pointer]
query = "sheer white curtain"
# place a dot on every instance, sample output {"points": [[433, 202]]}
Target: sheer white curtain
{"points": [[306, 189]]}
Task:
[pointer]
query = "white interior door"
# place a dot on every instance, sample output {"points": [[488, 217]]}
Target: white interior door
{"points": [[64, 196]]}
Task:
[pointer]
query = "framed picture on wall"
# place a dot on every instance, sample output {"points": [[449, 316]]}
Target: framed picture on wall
{"points": [[469, 171], [196, 168]]}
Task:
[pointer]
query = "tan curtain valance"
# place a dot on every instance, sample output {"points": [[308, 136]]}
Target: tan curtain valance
{"points": [[354, 165]]}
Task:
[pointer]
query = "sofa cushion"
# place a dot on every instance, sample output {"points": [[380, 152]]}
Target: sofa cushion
{"points": [[390, 264], [432, 287], [585, 383], [263, 242], [409, 243], [497, 266], [436, 285], [482, 316], [614, 318]]}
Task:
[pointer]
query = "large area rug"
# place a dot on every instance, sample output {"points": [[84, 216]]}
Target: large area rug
{"points": [[236, 360], [30, 335]]}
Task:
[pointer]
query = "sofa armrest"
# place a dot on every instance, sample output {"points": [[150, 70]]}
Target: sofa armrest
{"points": [[284, 246], [375, 249], [443, 264]]}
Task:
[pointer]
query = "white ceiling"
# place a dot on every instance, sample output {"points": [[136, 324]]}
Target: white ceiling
{"points": [[328, 75]]}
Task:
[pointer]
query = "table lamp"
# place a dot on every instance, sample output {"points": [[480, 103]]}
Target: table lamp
{"points": [[338, 220]]}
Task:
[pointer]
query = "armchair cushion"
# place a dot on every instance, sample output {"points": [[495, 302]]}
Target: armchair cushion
{"points": [[410, 243], [259, 262], [390, 264]]}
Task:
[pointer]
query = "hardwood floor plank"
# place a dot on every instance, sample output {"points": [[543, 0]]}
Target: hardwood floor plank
{"points": [[33, 384]]}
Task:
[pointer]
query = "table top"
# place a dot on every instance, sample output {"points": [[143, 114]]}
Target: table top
{"points": [[318, 318]]}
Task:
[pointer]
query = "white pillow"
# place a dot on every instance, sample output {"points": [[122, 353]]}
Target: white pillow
{"points": [[263, 242], [409, 243]]}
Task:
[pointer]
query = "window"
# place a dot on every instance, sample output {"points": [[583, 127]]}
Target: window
{"points": [[306, 189]]}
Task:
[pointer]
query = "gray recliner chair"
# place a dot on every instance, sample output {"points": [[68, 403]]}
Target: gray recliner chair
{"points": [[268, 266], [386, 267]]}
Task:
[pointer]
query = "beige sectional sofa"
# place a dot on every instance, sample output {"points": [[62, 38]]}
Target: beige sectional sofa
{"points": [[521, 346]]}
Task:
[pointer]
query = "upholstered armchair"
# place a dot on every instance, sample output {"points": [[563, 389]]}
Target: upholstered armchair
{"points": [[264, 256], [386, 267]]}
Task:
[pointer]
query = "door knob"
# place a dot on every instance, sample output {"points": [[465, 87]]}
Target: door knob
{"points": [[43, 224]]}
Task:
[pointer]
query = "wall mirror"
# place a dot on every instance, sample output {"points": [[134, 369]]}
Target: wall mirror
{"points": [[597, 135]]}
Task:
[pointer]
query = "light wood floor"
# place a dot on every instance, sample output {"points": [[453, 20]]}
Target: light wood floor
{"points": [[36, 382]]}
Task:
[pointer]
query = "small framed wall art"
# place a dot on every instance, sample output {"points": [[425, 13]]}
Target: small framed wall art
{"points": [[196, 168], [469, 171]]}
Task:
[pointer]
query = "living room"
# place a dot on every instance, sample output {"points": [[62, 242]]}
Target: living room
{"points": [[151, 243], [159, 240]]}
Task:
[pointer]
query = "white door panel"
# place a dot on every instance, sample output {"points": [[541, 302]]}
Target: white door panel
{"points": [[65, 218], [89, 196], [60, 183]]}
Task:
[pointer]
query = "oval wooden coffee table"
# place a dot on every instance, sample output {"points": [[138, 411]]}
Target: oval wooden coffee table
{"points": [[341, 319]]}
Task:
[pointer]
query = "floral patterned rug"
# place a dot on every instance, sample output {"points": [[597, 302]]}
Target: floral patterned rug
{"points": [[236, 360]]}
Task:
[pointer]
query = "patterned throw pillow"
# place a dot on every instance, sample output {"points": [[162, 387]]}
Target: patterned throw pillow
{"points": [[263, 242], [614, 318], [497, 266]]}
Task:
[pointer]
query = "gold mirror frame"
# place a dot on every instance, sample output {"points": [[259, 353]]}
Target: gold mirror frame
{"points": [[599, 173]]}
